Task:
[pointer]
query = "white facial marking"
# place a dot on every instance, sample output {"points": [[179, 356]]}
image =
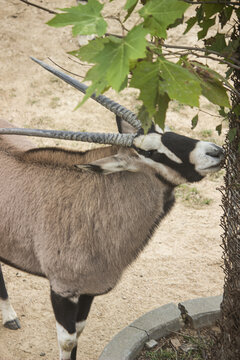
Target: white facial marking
{"points": [[8, 313], [158, 129], [153, 142], [79, 327], [164, 150], [148, 142], [66, 342], [203, 161]]}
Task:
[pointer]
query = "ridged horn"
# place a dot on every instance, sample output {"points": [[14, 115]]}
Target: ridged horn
{"points": [[111, 105], [99, 138]]}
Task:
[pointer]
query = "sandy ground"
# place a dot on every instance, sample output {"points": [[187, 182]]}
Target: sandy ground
{"points": [[183, 259]]}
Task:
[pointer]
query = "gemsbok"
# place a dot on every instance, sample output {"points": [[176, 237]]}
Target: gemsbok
{"points": [[80, 218]]}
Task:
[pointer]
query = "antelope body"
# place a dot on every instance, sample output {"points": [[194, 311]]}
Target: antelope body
{"points": [[79, 219]]}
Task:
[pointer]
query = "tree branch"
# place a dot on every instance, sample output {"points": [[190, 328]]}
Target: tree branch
{"points": [[39, 7], [221, 2], [193, 48], [70, 72]]}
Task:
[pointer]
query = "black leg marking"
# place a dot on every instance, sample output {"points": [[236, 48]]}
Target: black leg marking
{"points": [[65, 312], [3, 290], [9, 316], [84, 305]]}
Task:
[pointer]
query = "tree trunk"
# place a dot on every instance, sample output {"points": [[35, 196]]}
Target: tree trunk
{"points": [[228, 344]]}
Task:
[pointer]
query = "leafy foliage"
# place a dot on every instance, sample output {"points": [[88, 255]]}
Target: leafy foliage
{"points": [[158, 15], [138, 58], [86, 19]]}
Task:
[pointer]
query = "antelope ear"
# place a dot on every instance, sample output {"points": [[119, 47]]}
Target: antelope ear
{"points": [[109, 165], [124, 127]]}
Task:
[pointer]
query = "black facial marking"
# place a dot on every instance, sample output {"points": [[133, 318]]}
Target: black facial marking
{"points": [[185, 169], [180, 145], [3, 290]]}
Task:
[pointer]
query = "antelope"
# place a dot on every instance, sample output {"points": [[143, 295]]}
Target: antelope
{"points": [[80, 218]]}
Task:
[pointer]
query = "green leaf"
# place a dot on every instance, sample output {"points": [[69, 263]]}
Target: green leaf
{"points": [[179, 83], [132, 47], [86, 19], [212, 85], [113, 58], [225, 15], [159, 14], [91, 50], [212, 9], [162, 106], [190, 23], [145, 118], [205, 25], [194, 121], [199, 13], [219, 129], [214, 91], [130, 3], [222, 112], [216, 43], [130, 6], [146, 78]]}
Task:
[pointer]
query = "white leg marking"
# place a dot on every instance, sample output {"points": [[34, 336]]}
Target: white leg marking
{"points": [[79, 327], [66, 342], [8, 313]]}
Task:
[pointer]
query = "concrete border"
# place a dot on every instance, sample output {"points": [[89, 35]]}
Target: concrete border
{"points": [[128, 343]]}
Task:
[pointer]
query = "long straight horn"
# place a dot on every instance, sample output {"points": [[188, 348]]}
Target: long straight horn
{"points": [[111, 105], [99, 138]]}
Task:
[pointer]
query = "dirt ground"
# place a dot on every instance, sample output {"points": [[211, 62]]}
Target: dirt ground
{"points": [[183, 259]]}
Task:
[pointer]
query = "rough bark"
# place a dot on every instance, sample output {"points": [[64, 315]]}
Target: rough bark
{"points": [[228, 344]]}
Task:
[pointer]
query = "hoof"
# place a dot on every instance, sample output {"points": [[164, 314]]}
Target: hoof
{"points": [[13, 324]]}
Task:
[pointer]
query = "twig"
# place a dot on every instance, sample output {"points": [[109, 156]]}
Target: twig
{"points": [[222, 2], [219, 60], [205, 112], [39, 7], [78, 62], [70, 72], [118, 20], [199, 49]]}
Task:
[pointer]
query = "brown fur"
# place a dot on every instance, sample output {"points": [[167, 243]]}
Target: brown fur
{"points": [[79, 229]]}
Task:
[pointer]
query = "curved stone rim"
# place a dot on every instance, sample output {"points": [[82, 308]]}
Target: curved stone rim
{"points": [[129, 342]]}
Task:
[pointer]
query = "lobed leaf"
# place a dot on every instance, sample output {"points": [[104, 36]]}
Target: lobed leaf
{"points": [[179, 83], [113, 58], [190, 23], [130, 6], [86, 19], [145, 77], [159, 14], [212, 85]]}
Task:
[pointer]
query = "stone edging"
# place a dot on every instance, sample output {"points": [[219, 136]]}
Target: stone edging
{"points": [[128, 343]]}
